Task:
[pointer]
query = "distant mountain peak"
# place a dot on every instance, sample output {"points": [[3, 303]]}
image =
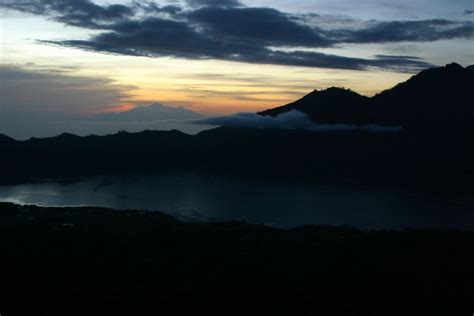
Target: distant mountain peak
{"points": [[447, 69], [337, 89], [331, 94], [328, 106], [333, 90], [156, 105], [453, 66], [153, 112]]}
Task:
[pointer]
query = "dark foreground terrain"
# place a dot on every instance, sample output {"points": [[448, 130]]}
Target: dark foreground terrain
{"points": [[95, 261]]}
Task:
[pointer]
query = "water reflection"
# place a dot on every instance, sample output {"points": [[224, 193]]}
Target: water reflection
{"points": [[273, 203]]}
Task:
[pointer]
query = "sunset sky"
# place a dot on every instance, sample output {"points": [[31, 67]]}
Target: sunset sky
{"points": [[77, 57]]}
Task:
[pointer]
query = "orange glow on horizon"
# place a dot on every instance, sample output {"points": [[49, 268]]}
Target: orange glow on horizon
{"points": [[119, 108]]}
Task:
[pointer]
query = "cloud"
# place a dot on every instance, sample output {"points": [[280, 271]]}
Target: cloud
{"points": [[292, 120], [412, 31], [468, 12], [193, 47], [214, 3], [265, 26], [82, 13], [54, 93], [228, 30]]}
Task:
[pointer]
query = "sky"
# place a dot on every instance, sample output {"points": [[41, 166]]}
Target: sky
{"points": [[65, 59]]}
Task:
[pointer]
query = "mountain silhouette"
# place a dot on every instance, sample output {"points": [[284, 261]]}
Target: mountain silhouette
{"points": [[154, 112], [5, 139], [330, 106], [437, 97], [433, 150]]}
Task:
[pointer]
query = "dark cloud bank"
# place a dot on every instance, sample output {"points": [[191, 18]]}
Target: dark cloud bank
{"points": [[228, 30]]}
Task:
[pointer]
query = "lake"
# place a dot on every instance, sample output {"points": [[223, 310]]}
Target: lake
{"points": [[280, 204]]}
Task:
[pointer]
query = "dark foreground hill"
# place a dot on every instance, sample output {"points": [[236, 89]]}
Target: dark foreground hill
{"points": [[357, 157], [330, 106], [95, 261]]}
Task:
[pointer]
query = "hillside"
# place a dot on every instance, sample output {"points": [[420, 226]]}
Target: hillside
{"points": [[96, 261], [434, 97]]}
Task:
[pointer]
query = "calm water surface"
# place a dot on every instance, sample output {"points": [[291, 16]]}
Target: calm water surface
{"points": [[280, 204]]}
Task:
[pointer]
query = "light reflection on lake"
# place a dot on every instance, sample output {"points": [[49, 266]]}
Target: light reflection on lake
{"points": [[280, 204]]}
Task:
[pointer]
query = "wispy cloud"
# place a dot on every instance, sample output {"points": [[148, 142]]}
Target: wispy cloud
{"points": [[54, 92]]}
